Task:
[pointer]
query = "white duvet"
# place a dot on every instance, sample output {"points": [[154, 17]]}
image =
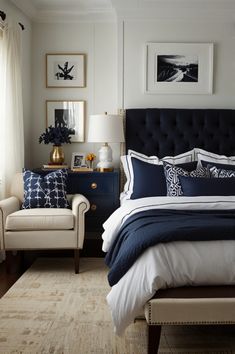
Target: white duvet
{"points": [[167, 265]]}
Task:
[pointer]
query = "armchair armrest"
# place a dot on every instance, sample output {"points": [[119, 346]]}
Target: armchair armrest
{"points": [[80, 205], [7, 207]]}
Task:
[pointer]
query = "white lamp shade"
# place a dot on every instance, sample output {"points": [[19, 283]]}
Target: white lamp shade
{"points": [[105, 128]]}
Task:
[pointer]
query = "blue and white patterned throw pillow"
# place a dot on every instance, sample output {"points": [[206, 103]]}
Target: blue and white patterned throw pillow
{"points": [[47, 191], [220, 172], [172, 180]]}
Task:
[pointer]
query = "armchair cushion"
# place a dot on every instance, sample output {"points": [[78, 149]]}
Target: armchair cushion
{"points": [[47, 191], [40, 219]]}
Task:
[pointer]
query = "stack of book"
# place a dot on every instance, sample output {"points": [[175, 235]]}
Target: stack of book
{"points": [[74, 169], [81, 169], [54, 167]]}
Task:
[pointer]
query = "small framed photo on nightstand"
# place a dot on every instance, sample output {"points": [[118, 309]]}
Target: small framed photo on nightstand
{"points": [[78, 160]]}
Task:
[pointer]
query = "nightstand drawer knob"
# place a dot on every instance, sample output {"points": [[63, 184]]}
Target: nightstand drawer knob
{"points": [[93, 207], [93, 185]]}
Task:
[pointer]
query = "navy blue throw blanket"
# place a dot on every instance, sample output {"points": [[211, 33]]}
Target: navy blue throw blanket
{"points": [[148, 228]]}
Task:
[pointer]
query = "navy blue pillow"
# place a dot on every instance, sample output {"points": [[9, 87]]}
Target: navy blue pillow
{"points": [[47, 191], [149, 179], [199, 186], [218, 165], [188, 166]]}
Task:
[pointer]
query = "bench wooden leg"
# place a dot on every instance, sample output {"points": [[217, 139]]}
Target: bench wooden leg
{"points": [[76, 261], [154, 334]]}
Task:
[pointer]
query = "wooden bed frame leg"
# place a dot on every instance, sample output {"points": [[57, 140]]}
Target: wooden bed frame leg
{"points": [[76, 260], [154, 334]]}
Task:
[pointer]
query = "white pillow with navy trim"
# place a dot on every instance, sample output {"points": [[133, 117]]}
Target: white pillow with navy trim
{"points": [[203, 155]]}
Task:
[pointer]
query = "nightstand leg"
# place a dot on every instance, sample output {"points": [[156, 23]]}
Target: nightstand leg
{"points": [[76, 260]]}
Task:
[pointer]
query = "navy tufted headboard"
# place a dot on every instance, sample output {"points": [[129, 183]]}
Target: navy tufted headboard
{"points": [[161, 131]]}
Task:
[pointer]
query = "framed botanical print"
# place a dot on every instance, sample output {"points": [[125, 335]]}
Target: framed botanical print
{"points": [[65, 70], [69, 114]]}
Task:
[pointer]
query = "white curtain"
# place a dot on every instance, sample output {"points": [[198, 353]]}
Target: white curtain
{"points": [[11, 106]]}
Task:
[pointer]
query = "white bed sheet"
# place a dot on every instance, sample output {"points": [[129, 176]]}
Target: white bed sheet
{"points": [[167, 265]]}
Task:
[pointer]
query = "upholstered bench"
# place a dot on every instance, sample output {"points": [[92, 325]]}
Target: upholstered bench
{"points": [[205, 305]]}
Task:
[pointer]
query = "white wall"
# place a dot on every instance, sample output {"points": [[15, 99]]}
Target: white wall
{"points": [[219, 31], [99, 42], [11, 10], [115, 66]]}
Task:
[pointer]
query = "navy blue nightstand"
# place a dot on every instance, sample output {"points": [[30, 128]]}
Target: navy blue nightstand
{"points": [[102, 191]]}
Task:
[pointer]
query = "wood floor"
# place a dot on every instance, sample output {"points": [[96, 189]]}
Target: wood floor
{"points": [[7, 280]]}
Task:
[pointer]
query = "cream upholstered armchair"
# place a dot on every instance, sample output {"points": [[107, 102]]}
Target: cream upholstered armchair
{"points": [[41, 228]]}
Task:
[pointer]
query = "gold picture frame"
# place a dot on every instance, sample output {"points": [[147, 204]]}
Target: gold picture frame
{"points": [[67, 113], [65, 70]]}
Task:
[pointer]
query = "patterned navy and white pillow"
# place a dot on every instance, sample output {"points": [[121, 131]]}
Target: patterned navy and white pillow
{"points": [[220, 172], [172, 173], [47, 191]]}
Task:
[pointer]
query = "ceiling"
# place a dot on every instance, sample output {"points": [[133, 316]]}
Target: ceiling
{"points": [[64, 10], [40, 10]]}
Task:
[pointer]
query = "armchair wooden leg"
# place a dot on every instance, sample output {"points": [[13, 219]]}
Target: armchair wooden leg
{"points": [[154, 334], [76, 260], [14, 261]]}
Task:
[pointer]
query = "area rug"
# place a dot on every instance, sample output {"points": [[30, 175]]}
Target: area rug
{"points": [[52, 310]]}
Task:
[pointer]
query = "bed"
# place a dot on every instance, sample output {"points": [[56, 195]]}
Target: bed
{"points": [[175, 282]]}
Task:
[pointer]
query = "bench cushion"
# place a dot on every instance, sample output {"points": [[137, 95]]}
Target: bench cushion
{"points": [[193, 305]]}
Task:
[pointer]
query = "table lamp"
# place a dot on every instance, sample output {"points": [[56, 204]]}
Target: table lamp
{"points": [[105, 128]]}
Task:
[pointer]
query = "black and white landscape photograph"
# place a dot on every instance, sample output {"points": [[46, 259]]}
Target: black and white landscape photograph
{"points": [[177, 68]]}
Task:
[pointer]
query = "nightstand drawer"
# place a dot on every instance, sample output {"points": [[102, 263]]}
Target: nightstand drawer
{"points": [[92, 183], [95, 224], [101, 206]]}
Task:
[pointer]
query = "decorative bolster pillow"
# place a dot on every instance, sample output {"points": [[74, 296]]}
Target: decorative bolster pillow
{"points": [[192, 186]]}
